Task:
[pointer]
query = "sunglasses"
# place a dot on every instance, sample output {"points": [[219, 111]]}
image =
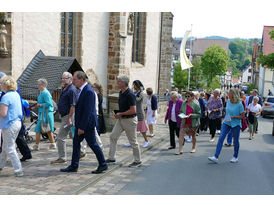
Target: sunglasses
{"points": [[187, 96]]}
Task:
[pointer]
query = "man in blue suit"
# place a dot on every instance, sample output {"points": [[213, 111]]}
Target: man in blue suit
{"points": [[85, 123]]}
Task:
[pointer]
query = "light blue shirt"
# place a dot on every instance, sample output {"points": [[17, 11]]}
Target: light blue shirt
{"points": [[234, 110], [12, 100]]}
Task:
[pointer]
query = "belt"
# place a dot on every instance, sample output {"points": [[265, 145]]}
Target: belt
{"points": [[128, 116]]}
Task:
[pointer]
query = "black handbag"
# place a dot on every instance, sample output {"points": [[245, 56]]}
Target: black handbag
{"points": [[250, 118]]}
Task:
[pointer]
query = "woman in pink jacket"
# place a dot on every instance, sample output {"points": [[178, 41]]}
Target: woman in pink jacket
{"points": [[174, 121]]}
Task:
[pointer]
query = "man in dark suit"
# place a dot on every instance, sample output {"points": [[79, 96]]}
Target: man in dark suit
{"points": [[85, 123]]}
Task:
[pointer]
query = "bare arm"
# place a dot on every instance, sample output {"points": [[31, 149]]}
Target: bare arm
{"points": [[3, 110]]}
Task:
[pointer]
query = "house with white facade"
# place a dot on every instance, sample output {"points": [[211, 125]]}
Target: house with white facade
{"points": [[247, 75]]}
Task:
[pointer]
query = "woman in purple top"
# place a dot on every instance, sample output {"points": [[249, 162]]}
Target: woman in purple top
{"points": [[215, 108], [174, 121]]}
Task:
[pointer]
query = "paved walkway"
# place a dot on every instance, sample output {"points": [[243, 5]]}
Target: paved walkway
{"points": [[43, 178]]}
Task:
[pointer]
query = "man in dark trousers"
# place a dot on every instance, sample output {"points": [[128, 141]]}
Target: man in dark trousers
{"points": [[85, 123], [20, 140]]}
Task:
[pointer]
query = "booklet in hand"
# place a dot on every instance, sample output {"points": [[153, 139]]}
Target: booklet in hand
{"points": [[182, 116]]}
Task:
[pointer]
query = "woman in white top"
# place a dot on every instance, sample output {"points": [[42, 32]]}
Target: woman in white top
{"points": [[152, 106], [253, 110]]}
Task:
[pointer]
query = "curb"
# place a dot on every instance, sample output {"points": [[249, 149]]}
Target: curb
{"points": [[116, 166]]}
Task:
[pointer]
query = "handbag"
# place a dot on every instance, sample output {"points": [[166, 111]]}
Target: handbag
{"points": [[250, 118], [244, 124], [45, 127]]}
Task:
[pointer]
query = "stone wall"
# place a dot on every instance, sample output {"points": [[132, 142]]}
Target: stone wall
{"points": [[116, 50], [166, 52]]}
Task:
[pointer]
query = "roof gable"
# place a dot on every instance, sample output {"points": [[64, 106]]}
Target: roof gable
{"points": [[49, 67]]}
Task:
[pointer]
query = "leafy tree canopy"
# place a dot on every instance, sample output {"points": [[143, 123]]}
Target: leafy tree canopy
{"points": [[214, 62]]}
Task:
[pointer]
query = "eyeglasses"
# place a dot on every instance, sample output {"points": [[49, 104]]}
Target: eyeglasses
{"points": [[65, 78], [187, 96]]}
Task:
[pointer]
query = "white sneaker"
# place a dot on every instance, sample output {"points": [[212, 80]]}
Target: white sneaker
{"points": [[35, 147], [145, 144], [127, 145], [212, 140], [213, 159], [234, 160], [189, 140], [52, 146]]}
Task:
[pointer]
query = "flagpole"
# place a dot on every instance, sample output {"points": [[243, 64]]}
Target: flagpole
{"points": [[189, 59]]}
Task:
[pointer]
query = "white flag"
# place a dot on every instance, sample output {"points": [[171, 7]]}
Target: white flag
{"points": [[185, 63]]}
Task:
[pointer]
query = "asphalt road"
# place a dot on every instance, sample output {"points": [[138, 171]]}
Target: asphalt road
{"points": [[193, 174]]}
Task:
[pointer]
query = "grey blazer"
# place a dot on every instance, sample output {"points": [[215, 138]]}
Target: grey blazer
{"points": [[139, 106]]}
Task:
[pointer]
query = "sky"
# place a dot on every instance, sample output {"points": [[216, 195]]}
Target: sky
{"points": [[227, 18], [232, 19]]}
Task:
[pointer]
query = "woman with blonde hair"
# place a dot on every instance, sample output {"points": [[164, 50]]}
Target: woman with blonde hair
{"points": [[10, 123], [44, 103], [232, 121]]}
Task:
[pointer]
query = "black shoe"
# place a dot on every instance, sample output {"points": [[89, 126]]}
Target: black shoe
{"points": [[227, 145], [100, 169], [171, 147], [24, 158], [110, 161], [69, 169], [135, 164]]}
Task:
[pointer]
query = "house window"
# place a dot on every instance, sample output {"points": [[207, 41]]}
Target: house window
{"points": [[249, 70], [176, 57], [67, 33], [249, 78], [139, 38]]}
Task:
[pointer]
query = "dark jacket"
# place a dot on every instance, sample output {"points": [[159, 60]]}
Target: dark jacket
{"points": [[85, 110], [202, 106], [154, 102]]}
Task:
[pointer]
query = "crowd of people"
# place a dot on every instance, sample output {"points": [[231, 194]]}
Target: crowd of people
{"points": [[81, 112]]}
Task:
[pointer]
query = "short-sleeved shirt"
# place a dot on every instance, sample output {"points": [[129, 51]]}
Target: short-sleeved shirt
{"points": [[234, 110], [255, 108], [13, 101], [126, 100], [67, 99]]}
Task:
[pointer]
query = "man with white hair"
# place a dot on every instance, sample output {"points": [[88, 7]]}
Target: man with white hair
{"points": [[126, 121], [66, 107]]}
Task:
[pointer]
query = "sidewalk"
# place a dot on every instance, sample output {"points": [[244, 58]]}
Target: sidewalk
{"points": [[41, 177]]}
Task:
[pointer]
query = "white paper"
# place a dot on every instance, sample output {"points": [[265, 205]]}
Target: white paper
{"points": [[227, 118], [182, 116]]}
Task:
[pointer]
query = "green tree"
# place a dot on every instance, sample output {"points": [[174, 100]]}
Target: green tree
{"points": [[180, 77], [268, 60], [271, 33], [214, 62], [214, 84], [197, 80]]}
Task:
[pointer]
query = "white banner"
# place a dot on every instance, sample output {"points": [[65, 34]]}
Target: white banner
{"points": [[185, 63]]}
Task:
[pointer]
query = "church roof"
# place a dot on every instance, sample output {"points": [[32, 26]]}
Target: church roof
{"points": [[50, 68]]}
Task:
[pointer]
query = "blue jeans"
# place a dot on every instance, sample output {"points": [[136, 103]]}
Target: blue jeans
{"points": [[235, 134], [229, 137]]}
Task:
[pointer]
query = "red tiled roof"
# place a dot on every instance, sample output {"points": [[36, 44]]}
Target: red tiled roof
{"points": [[268, 44]]}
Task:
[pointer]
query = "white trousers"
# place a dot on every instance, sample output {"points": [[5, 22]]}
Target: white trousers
{"points": [[9, 136]]}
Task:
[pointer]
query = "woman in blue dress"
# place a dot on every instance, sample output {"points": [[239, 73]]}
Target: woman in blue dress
{"points": [[44, 102]]}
